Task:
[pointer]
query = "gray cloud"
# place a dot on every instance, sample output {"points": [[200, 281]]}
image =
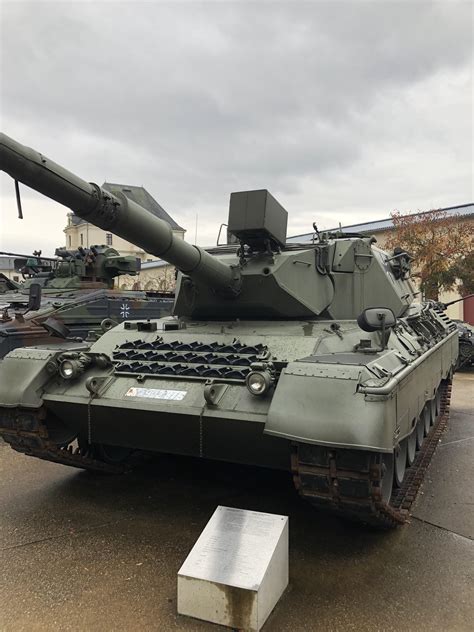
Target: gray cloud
{"points": [[344, 110]]}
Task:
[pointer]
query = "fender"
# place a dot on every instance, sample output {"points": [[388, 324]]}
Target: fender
{"points": [[320, 404]]}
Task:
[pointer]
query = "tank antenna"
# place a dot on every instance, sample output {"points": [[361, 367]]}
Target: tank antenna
{"points": [[315, 228]]}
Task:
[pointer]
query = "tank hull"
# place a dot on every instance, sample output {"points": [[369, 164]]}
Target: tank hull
{"points": [[341, 410], [379, 395], [301, 410]]}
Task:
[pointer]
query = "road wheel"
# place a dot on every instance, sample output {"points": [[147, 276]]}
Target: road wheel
{"points": [[433, 413], [438, 402], [411, 448], [420, 431], [400, 462], [426, 415]]}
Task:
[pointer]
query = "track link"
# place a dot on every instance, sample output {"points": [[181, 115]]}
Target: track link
{"points": [[27, 432], [349, 482]]}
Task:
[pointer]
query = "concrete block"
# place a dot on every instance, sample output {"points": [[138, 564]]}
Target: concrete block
{"points": [[237, 570]]}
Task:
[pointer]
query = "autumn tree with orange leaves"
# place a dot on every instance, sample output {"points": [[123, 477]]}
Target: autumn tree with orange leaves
{"points": [[442, 247]]}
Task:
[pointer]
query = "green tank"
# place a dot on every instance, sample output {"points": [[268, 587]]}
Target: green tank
{"points": [[84, 268], [312, 358], [73, 296], [71, 275]]}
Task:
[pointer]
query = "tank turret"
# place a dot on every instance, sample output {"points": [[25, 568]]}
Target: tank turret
{"points": [[261, 278]]}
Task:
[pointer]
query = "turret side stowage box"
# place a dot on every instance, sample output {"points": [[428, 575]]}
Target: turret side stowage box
{"points": [[256, 215]]}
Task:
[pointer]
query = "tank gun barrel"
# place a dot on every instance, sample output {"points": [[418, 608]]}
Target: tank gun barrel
{"points": [[457, 300], [114, 213], [23, 256]]}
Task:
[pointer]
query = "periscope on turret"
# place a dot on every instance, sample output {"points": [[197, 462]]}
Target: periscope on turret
{"points": [[314, 358]]}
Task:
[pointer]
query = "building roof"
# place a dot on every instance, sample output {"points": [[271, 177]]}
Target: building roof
{"points": [[139, 195], [383, 224]]}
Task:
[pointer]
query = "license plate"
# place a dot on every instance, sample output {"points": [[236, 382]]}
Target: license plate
{"points": [[156, 393]]}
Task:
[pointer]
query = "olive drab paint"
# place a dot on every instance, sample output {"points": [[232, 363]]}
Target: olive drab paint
{"points": [[263, 347]]}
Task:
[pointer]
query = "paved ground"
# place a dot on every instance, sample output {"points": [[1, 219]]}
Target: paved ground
{"points": [[81, 552]]}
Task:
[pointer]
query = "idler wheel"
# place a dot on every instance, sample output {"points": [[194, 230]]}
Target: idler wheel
{"points": [[420, 431], [411, 447], [426, 416], [387, 476], [400, 462]]}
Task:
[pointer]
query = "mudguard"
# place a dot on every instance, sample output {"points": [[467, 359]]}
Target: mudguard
{"points": [[25, 379], [319, 404]]}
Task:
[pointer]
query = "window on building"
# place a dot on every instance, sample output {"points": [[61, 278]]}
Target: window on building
{"points": [[69, 240], [82, 239], [108, 239], [16, 278]]}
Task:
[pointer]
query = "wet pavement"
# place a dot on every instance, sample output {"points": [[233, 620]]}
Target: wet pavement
{"points": [[86, 552]]}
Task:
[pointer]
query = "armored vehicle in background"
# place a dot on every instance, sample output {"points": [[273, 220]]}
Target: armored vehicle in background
{"points": [[74, 269], [310, 358], [81, 270], [72, 296], [466, 344], [77, 315], [465, 334]]}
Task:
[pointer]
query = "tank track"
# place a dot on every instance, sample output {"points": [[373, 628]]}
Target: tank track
{"points": [[343, 481], [348, 482], [26, 432]]}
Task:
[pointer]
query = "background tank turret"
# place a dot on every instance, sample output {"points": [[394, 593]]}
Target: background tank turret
{"points": [[74, 294], [81, 269], [307, 357], [84, 268]]}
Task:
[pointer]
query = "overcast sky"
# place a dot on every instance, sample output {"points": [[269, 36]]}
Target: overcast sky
{"points": [[345, 111]]}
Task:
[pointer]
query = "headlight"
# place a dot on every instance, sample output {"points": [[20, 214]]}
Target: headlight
{"points": [[258, 382], [66, 369], [71, 365]]}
